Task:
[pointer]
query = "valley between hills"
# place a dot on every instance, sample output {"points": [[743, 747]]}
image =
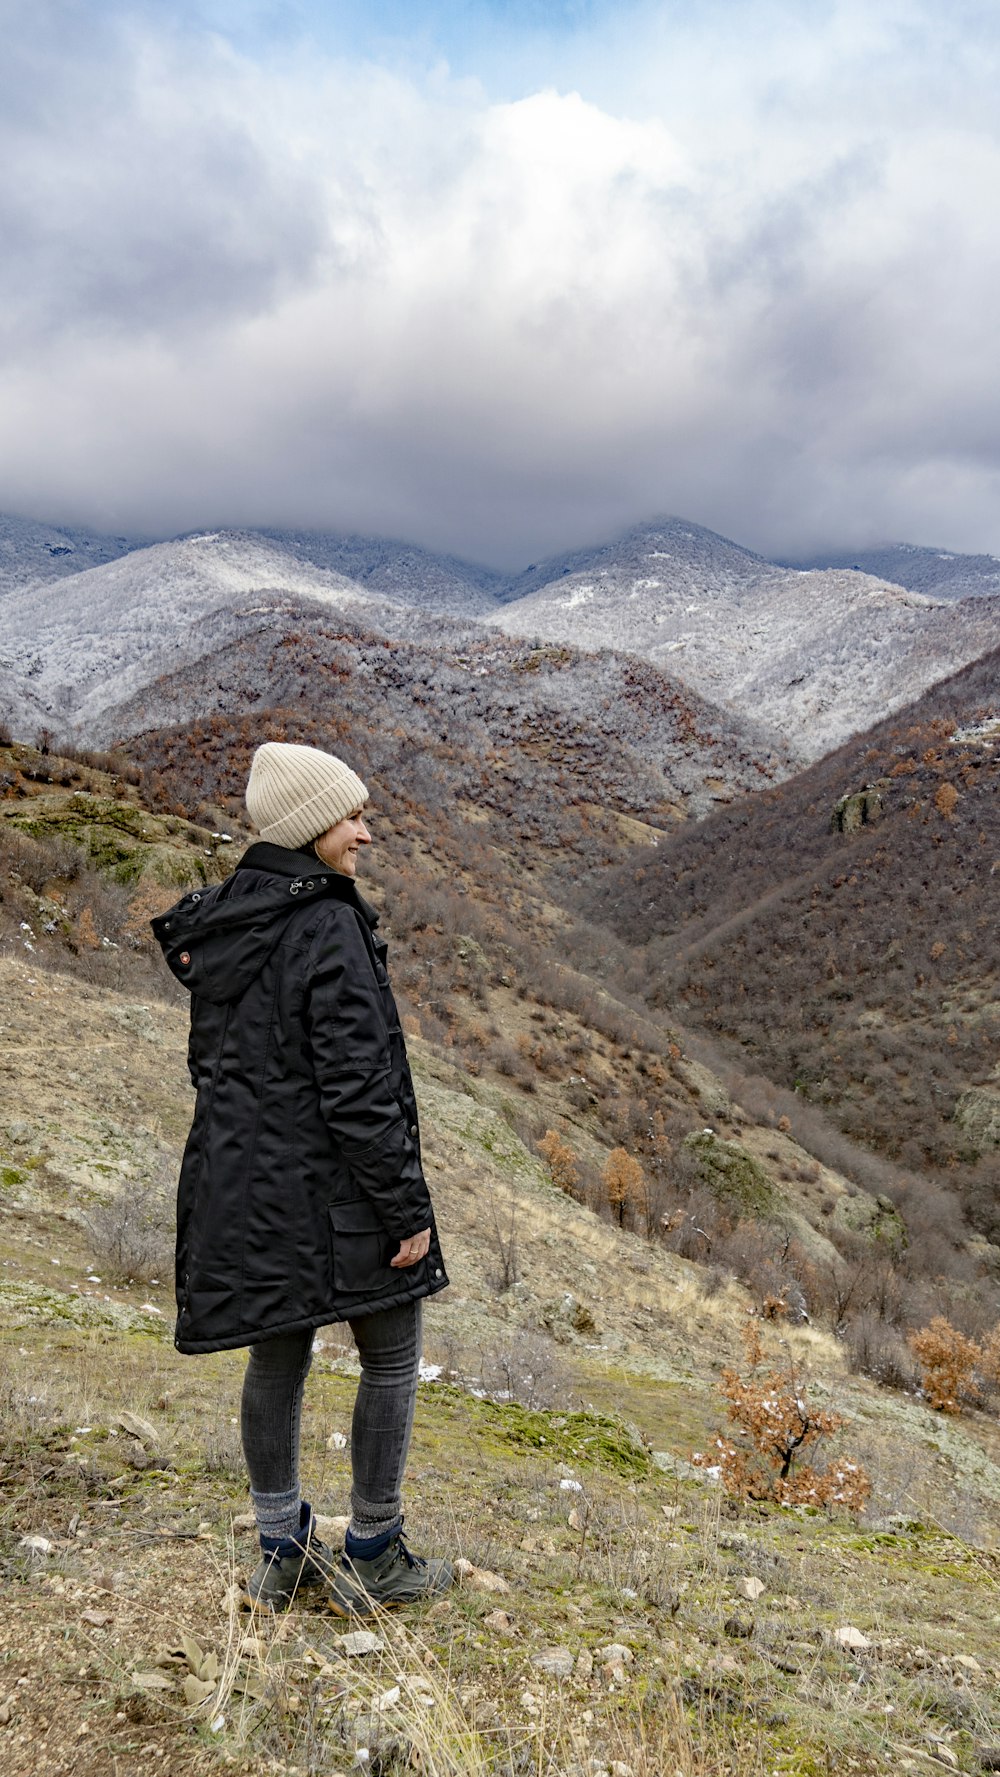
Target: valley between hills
{"points": [[703, 1013]]}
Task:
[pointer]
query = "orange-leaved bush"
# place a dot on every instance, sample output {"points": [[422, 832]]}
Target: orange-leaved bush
{"points": [[624, 1183], [774, 1426], [86, 931], [948, 1362], [560, 1160]]}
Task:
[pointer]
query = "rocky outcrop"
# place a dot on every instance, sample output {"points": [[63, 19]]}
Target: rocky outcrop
{"points": [[978, 1114], [875, 1217], [860, 808]]}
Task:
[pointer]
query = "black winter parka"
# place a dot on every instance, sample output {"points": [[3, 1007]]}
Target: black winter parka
{"points": [[302, 1170]]}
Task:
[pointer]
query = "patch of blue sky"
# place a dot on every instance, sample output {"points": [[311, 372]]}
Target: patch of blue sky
{"points": [[687, 62], [510, 47]]}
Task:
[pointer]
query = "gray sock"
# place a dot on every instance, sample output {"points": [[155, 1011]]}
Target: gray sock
{"points": [[277, 1514], [370, 1520]]}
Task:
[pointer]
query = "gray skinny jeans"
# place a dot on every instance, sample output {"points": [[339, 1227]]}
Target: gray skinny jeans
{"points": [[389, 1347]]}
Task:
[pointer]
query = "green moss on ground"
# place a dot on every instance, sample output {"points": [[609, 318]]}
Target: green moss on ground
{"points": [[122, 839], [24, 1305], [733, 1175], [569, 1438]]}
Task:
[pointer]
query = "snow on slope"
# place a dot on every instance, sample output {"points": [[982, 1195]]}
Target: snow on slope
{"points": [[680, 552], [32, 552], [941, 573], [75, 646], [813, 655], [399, 571]]}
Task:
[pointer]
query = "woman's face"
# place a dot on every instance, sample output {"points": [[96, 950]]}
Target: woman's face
{"points": [[338, 846]]}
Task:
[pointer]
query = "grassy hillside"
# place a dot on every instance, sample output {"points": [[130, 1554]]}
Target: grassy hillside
{"points": [[570, 1400]]}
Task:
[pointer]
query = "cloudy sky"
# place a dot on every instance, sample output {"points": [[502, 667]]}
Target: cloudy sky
{"points": [[503, 276]]}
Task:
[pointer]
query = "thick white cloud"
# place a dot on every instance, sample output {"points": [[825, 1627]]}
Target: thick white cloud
{"points": [[749, 278]]}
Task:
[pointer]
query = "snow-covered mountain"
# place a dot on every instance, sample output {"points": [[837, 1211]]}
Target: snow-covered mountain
{"points": [[815, 655], [31, 552], [71, 648], [941, 573], [669, 551], [398, 571]]}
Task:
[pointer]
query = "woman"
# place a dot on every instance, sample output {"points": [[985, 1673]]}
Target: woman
{"points": [[301, 1198]]}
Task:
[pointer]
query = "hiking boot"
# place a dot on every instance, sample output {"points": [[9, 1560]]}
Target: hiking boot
{"points": [[291, 1565], [358, 1586]]}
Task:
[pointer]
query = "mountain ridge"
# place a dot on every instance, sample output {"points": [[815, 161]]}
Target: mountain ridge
{"points": [[33, 552], [817, 655], [502, 722], [942, 573], [811, 655]]}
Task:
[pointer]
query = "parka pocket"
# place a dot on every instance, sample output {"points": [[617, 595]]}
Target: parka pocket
{"points": [[360, 1249]]}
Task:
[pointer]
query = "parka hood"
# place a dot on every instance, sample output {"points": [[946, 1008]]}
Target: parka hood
{"points": [[217, 940]]}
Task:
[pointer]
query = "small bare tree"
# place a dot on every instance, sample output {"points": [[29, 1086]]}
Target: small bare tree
{"points": [[504, 1226], [131, 1232]]}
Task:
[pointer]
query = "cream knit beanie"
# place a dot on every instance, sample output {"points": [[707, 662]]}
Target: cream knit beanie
{"points": [[295, 793]]}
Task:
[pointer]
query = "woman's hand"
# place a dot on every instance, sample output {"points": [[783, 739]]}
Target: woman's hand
{"points": [[412, 1250]]}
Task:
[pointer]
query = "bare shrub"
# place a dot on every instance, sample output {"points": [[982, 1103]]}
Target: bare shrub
{"points": [[503, 1226], [983, 1198], [131, 1232], [715, 1280], [693, 1226], [66, 860], [541, 1054], [506, 1059], [27, 859], [113, 764], [935, 1230], [878, 1350], [768, 1264], [524, 1367], [108, 901]]}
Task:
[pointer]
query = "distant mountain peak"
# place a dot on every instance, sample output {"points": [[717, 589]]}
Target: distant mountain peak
{"points": [[937, 573], [811, 653]]}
